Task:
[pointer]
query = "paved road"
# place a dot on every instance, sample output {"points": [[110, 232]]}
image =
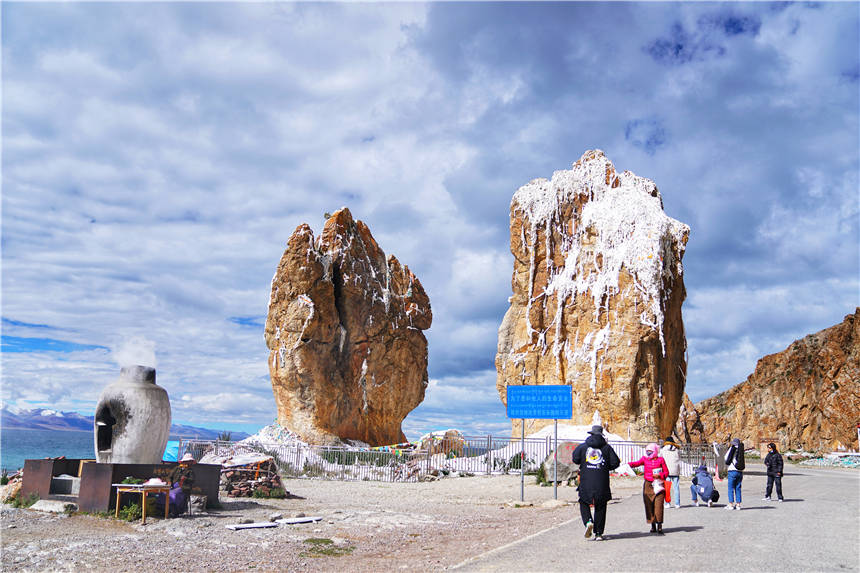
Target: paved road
{"points": [[817, 528]]}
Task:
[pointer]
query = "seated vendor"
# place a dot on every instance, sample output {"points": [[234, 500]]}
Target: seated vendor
{"points": [[181, 479]]}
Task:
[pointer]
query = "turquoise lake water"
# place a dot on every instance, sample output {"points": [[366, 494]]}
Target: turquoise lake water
{"points": [[19, 445]]}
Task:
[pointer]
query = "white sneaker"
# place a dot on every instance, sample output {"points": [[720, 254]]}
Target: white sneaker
{"points": [[766, 498], [729, 507], [678, 506], [709, 504], [738, 507], [667, 506], [780, 500]]}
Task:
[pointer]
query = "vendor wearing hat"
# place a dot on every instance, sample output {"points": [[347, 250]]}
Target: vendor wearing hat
{"points": [[181, 479], [672, 456]]}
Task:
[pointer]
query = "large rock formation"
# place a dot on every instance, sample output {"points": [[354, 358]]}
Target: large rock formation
{"points": [[807, 396], [598, 289], [348, 358], [689, 427]]}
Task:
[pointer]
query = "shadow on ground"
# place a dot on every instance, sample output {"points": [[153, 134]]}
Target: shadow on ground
{"points": [[667, 530]]}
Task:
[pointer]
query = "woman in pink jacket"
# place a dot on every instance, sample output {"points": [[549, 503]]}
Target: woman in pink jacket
{"points": [[653, 490]]}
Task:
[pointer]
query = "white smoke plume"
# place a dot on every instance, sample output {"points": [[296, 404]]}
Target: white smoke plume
{"points": [[137, 351]]}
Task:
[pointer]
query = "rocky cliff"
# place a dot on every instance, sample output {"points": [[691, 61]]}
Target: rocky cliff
{"points": [[689, 427], [348, 358], [807, 396], [597, 293]]}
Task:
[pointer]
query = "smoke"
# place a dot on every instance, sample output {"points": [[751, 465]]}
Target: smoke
{"points": [[136, 351]]}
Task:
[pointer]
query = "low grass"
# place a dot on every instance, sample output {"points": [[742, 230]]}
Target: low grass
{"points": [[130, 512], [324, 547], [24, 501]]}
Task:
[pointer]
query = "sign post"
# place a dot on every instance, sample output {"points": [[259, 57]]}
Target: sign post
{"points": [[539, 403]]}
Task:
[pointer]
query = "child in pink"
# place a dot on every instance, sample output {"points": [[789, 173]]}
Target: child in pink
{"points": [[653, 490]]}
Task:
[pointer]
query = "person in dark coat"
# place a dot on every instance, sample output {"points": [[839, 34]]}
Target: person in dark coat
{"points": [[596, 459], [773, 463], [702, 486], [181, 479]]}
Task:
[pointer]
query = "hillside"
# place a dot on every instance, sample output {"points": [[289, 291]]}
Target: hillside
{"points": [[806, 397]]}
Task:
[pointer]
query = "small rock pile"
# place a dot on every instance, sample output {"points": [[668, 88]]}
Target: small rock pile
{"points": [[12, 487], [257, 479]]}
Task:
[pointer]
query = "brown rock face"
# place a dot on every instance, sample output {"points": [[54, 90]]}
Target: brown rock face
{"points": [[348, 358], [597, 294], [689, 427], [807, 396]]}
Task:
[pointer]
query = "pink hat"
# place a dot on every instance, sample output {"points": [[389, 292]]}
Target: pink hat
{"points": [[652, 447]]}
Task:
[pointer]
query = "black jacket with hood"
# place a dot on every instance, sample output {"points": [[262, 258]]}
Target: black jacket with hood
{"points": [[596, 459], [773, 463]]}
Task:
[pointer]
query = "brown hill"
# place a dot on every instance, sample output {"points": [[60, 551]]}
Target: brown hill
{"points": [[807, 396]]}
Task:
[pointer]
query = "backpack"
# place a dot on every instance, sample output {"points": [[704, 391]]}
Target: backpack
{"points": [[715, 497], [740, 463]]}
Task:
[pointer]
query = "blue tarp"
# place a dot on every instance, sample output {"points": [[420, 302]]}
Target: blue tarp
{"points": [[171, 452]]}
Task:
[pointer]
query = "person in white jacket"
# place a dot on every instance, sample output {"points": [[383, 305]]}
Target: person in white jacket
{"points": [[670, 453]]}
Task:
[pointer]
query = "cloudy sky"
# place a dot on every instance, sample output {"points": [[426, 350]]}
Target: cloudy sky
{"points": [[157, 157]]}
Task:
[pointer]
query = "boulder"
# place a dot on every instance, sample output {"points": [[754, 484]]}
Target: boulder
{"points": [[567, 470], [689, 427], [597, 293], [348, 358], [10, 490], [449, 442], [807, 396]]}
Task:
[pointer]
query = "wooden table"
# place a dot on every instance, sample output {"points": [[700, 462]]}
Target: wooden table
{"points": [[143, 489]]}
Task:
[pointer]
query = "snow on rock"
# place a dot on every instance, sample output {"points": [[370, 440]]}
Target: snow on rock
{"points": [[598, 287], [569, 433]]}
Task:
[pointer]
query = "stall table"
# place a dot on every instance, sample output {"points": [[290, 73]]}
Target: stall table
{"points": [[143, 489]]}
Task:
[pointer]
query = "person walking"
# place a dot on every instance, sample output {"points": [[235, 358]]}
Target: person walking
{"points": [[702, 486], [596, 459], [653, 490], [773, 463], [672, 455], [735, 464]]}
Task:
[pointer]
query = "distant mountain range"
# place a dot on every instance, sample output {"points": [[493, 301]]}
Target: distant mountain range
{"points": [[44, 419]]}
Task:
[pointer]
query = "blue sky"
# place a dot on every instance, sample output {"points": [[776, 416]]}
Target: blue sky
{"points": [[156, 158]]}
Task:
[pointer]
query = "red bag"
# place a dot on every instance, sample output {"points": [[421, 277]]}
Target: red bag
{"points": [[668, 490]]}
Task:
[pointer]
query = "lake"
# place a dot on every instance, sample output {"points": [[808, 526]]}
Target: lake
{"points": [[19, 445]]}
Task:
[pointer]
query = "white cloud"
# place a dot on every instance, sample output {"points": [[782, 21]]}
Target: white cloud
{"points": [[155, 168]]}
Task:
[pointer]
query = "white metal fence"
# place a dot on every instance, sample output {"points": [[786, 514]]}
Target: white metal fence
{"points": [[469, 455]]}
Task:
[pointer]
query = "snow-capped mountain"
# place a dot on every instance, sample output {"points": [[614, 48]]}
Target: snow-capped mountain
{"points": [[12, 418]]}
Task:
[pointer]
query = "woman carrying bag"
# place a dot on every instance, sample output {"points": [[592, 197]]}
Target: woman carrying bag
{"points": [[653, 488]]}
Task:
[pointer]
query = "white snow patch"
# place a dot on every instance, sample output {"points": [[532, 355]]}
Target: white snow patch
{"points": [[625, 227], [570, 433]]}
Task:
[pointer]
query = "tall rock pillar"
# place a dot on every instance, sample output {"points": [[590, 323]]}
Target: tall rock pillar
{"points": [[348, 358], [597, 293]]}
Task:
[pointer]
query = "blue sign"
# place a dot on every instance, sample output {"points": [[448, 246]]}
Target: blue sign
{"points": [[540, 402]]}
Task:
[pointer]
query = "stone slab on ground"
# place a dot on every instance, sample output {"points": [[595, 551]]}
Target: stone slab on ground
{"points": [[54, 506]]}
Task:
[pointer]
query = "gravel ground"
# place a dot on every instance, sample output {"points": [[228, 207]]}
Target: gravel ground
{"points": [[370, 525]]}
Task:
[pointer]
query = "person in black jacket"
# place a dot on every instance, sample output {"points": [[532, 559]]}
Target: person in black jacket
{"points": [[596, 459], [773, 463]]}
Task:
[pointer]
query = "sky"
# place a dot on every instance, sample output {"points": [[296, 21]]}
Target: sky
{"points": [[157, 157]]}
